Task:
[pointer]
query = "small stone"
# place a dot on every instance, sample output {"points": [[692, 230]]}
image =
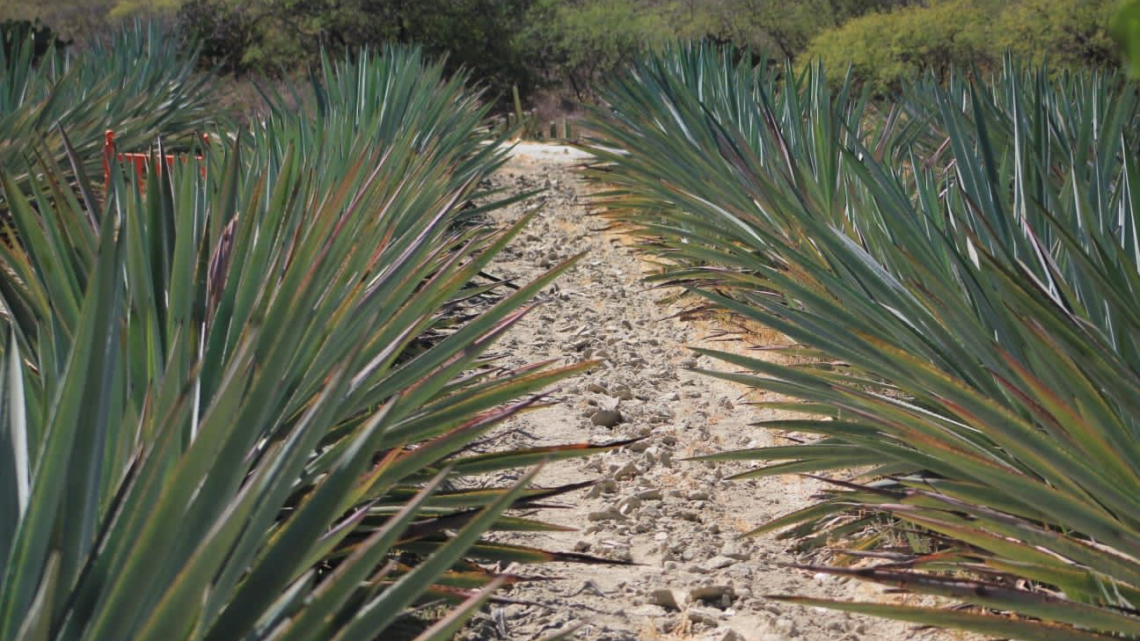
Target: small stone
{"points": [[622, 392], [787, 627], [608, 514], [619, 551], [596, 388], [710, 593], [640, 446], [589, 586], [707, 616], [730, 635], [627, 471], [606, 418], [718, 563], [606, 486], [734, 550], [665, 598], [689, 515], [668, 624], [647, 611]]}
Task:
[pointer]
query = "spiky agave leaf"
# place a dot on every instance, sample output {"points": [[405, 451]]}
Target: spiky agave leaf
{"points": [[973, 301], [138, 82], [219, 379]]}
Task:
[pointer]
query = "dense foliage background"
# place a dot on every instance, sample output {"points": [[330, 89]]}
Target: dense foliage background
{"points": [[560, 47]]}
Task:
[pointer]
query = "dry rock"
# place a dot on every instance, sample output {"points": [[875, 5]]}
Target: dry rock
{"points": [[710, 593], [665, 598], [718, 563], [706, 616], [606, 417], [608, 514], [622, 392]]}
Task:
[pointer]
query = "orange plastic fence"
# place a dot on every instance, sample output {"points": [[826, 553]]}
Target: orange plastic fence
{"points": [[140, 161]]}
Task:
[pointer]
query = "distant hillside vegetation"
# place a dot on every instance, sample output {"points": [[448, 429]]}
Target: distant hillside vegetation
{"points": [[564, 46]]}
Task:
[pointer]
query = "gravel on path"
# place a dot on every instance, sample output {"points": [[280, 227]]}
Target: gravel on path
{"points": [[677, 522]]}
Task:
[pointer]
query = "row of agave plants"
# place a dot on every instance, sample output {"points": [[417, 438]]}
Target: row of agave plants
{"points": [[137, 81], [959, 273], [248, 403]]}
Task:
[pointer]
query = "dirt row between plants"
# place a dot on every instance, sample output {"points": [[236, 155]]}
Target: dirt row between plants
{"points": [[677, 523]]}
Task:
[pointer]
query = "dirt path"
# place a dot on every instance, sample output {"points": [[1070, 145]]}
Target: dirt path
{"points": [[678, 521]]}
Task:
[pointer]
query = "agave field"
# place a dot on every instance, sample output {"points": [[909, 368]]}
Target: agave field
{"points": [[251, 395], [135, 82], [238, 403], [958, 271]]}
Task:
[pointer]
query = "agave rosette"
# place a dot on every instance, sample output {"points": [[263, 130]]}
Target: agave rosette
{"points": [[138, 82], [961, 269], [239, 404]]}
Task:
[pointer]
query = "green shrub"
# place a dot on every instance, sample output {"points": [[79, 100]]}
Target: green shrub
{"points": [[271, 36], [583, 40], [1124, 28], [784, 29], [1067, 33], [887, 49], [81, 20]]}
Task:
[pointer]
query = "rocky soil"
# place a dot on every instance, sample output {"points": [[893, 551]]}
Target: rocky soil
{"points": [[677, 523]]}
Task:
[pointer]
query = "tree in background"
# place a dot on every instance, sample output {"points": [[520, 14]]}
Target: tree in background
{"points": [[564, 46], [228, 34], [785, 28], [577, 41], [15, 33], [1124, 28], [1069, 33], [71, 18], [886, 48], [280, 35]]}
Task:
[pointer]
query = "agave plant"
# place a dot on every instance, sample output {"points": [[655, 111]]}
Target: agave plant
{"points": [[240, 405], [138, 82], [968, 309]]}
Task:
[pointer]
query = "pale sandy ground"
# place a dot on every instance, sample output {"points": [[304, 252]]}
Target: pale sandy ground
{"points": [[678, 522]]}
